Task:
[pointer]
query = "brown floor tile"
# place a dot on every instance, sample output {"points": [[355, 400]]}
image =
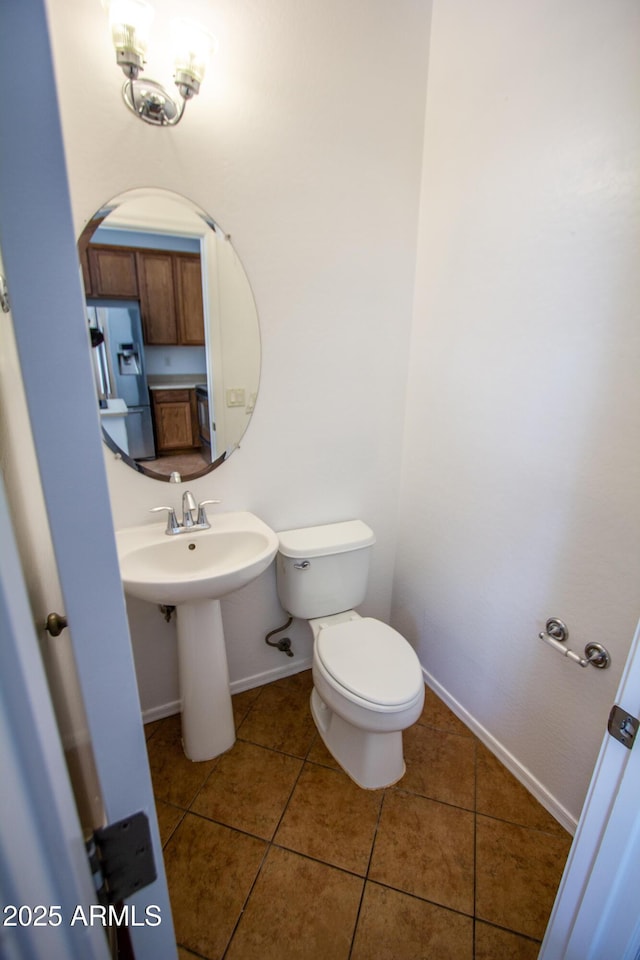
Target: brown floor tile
{"points": [[176, 779], [302, 681], [517, 874], [500, 795], [168, 819], [242, 703], [440, 765], [395, 926], [210, 871], [249, 789], [151, 727], [331, 819], [185, 954], [435, 713], [318, 753], [281, 718], [425, 848], [184, 463], [303, 904], [298, 910], [495, 944]]}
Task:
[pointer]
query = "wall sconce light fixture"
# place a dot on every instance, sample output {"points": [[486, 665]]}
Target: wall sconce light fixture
{"points": [[130, 22]]}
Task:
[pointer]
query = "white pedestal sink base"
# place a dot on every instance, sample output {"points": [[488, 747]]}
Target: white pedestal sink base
{"points": [[191, 573], [208, 728]]}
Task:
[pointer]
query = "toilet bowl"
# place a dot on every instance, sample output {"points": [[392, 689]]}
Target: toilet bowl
{"points": [[367, 680], [367, 689]]}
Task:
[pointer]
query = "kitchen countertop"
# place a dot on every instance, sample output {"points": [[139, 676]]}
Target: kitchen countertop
{"points": [[114, 408], [176, 381]]}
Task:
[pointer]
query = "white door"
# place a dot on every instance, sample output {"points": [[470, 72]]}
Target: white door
{"points": [[597, 911], [39, 825], [41, 907], [40, 260]]}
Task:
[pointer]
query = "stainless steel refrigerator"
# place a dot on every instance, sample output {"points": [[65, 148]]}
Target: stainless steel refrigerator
{"points": [[116, 333]]}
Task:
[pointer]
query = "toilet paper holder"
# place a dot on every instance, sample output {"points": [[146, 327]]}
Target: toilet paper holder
{"points": [[556, 634]]}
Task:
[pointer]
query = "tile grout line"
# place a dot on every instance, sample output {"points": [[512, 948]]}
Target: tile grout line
{"points": [[365, 879], [248, 711], [246, 901], [246, 833], [269, 846], [164, 845]]}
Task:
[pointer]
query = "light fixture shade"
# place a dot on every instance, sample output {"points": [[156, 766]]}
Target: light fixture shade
{"points": [[193, 47], [130, 22]]}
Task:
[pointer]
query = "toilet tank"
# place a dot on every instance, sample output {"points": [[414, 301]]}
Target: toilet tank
{"points": [[323, 570]]}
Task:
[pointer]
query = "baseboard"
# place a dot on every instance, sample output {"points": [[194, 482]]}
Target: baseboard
{"points": [[237, 686], [524, 776], [268, 676], [161, 711]]}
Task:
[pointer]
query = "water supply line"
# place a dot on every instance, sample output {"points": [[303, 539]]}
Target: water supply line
{"points": [[167, 610], [284, 644]]}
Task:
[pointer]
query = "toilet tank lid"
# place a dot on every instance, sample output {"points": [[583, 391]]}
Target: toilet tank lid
{"points": [[326, 539]]}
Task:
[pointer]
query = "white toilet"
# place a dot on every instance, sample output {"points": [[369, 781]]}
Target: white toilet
{"points": [[368, 684]]}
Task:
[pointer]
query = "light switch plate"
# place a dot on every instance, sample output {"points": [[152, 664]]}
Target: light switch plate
{"points": [[235, 397]]}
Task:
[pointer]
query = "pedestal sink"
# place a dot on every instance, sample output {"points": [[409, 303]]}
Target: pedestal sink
{"points": [[192, 571]]}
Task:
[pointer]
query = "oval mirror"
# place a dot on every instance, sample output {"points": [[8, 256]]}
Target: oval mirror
{"points": [[175, 341]]}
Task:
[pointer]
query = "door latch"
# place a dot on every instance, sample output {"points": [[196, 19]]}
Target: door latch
{"points": [[622, 726]]}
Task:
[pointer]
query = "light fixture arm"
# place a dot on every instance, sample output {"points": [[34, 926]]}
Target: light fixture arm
{"points": [[130, 21], [151, 102]]}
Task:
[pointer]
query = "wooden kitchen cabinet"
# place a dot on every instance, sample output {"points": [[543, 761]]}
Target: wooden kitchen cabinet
{"points": [[112, 271], [175, 415], [157, 297], [167, 284], [171, 298], [188, 277], [86, 273]]}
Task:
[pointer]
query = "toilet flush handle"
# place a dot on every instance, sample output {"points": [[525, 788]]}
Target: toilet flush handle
{"points": [[303, 566]]}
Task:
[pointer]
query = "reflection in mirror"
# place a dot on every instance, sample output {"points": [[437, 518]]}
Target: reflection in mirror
{"points": [[175, 342]]}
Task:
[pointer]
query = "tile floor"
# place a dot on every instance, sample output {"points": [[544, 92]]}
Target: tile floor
{"points": [[185, 463], [273, 853]]}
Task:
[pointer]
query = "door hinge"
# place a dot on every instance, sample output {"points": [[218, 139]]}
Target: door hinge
{"points": [[622, 726], [121, 858]]}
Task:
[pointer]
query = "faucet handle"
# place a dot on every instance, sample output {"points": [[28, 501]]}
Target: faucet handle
{"points": [[172, 521], [202, 513]]}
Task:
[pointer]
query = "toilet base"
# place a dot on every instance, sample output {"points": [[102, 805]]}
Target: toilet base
{"points": [[372, 760]]}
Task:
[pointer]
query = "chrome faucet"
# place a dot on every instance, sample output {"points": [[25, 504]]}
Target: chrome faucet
{"points": [[188, 506], [188, 523]]}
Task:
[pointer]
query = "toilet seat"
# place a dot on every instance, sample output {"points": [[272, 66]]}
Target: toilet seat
{"points": [[370, 660]]}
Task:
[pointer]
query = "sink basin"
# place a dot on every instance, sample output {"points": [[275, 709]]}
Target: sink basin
{"points": [[203, 565], [192, 571]]}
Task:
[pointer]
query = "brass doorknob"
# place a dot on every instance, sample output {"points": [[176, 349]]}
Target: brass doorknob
{"points": [[55, 624]]}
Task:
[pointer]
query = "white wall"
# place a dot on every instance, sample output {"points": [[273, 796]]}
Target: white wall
{"points": [[305, 144], [521, 456]]}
